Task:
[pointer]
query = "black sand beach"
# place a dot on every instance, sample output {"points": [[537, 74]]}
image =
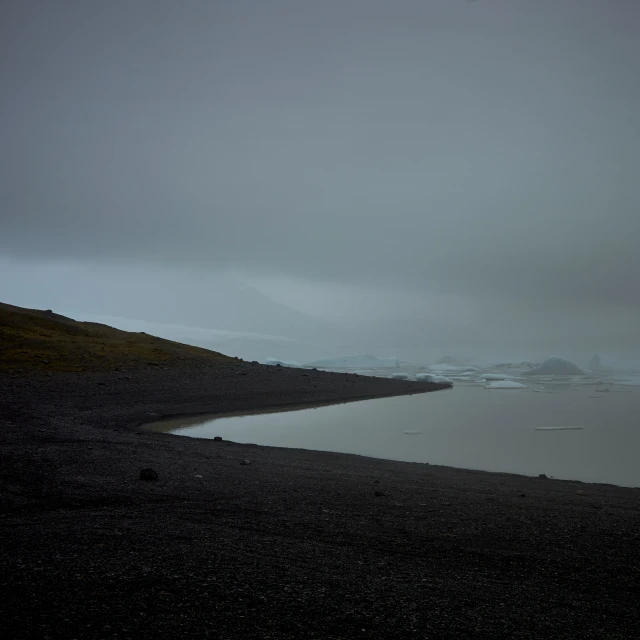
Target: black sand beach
{"points": [[295, 544]]}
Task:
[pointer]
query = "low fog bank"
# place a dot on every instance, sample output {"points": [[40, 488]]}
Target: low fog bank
{"points": [[306, 321]]}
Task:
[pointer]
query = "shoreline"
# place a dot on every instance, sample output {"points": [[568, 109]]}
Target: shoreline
{"points": [[157, 425], [296, 543]]}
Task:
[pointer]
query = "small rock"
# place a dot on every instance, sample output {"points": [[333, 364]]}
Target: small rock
{"points": [[542, 475], [218, 439], [523, 495], [245, 462], [378, 494], [376, 482], [45, 362], [148, 474], [580, 492], [197, 476]]}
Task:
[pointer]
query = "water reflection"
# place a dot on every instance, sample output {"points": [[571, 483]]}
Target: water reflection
{"points": [[467, 426]]}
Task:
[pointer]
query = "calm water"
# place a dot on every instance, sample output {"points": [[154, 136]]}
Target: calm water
{"points": [[467, 426]]}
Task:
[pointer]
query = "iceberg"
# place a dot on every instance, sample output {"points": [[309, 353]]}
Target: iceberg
{"points": [[555, 366], [609, 365]]}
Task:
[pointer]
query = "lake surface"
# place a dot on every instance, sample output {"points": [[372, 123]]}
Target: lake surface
{"points": [[466, 426]]}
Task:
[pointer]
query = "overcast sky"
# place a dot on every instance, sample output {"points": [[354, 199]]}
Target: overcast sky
{"points": [[466, 171]]}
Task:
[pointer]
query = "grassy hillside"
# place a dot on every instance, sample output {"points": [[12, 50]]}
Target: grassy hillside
{"points": [[32, 339]]}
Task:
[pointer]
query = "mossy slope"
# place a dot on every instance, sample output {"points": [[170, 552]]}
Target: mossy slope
{"points": [[33, 339]]}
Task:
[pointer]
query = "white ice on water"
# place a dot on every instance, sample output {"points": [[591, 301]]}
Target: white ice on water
{"points": [[505, 384], [431, 377]]}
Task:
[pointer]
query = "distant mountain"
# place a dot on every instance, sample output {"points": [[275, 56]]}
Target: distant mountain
{"points": [[239, 344], [215, 302]]}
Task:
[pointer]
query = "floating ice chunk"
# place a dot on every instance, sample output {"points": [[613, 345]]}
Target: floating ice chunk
{"points": [[505, 384], [441, 380], [413, 433], [399, 376], [543, 390], [424, 377], [494, 376], [558, 428], [452, 368]]}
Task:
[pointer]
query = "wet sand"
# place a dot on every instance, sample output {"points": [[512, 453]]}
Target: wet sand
{"points": [[294, 544]]}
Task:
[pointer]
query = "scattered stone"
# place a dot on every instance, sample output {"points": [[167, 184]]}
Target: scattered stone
{"points": [[245, 462], [543, 476], [148, 474], [197, 476], [218, 439], [580, 492], [523, 495], [378, 494], [45, 361]]}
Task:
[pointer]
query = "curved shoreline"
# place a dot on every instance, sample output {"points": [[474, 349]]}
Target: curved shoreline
{"points": [[296, 543], [159, 425]]}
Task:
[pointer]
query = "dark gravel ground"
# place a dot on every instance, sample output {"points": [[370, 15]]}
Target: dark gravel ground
{"points": [[296, 544]]}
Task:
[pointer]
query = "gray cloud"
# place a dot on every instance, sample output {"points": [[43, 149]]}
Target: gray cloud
{"points": [[487, 150]]}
